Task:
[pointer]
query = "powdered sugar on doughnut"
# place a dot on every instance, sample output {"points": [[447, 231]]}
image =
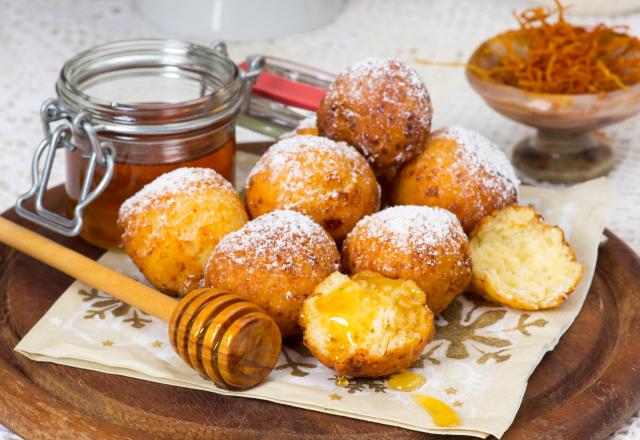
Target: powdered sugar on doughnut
{"points": [[371, 73], [298, 158], [478, 153], [279, 241], [372, 88], [411, 229], [308, 123], [170, 184]]}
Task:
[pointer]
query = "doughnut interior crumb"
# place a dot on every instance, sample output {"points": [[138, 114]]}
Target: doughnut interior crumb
{"points": [[366, 325], [520, 261]]}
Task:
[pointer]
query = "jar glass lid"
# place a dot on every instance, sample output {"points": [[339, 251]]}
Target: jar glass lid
{"points": [[152, 86]]}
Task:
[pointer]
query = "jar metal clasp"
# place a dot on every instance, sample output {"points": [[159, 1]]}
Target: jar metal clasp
{"points": [[100, 154]]}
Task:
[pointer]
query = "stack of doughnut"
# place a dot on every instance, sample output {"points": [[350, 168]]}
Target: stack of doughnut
{"points": [[313, 209]]}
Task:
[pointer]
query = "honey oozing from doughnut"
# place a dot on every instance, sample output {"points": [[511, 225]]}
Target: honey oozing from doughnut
{"points": [[366, 325]]}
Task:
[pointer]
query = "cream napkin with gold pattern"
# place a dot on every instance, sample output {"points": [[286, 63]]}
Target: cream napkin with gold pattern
{"points": [[481, 352]]}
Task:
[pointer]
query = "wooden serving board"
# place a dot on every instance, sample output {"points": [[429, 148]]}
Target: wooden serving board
{"points": [[585, 389]]}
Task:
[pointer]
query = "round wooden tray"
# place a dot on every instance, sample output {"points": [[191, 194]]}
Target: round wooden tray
{"points": [[585, 389]]}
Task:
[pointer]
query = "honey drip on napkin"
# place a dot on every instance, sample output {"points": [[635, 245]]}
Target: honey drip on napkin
{"points": [[441, 413], [405, 381]]}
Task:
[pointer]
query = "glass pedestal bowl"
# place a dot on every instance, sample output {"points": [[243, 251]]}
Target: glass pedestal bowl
{"points": [[566, 147]]}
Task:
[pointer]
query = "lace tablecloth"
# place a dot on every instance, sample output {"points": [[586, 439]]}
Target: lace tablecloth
{"points": [[37, 36]]}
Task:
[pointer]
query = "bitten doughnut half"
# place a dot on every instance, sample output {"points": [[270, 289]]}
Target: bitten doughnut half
{"points": [[419, 243], [275, 261], [326, 180], [381, 107], [520, 261], [367, 325], [171, 226], [459, 170]]}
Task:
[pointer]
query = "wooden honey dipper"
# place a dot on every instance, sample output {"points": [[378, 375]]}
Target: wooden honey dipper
{"points": [[223, 336]]}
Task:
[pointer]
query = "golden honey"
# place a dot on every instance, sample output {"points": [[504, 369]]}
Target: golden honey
{"points": [[406, 381], [350, 310], [100, 217], [342, 381], [441, 413], [345, 321]]}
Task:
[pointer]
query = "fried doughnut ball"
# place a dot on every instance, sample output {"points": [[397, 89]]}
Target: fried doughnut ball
{"points": [[275, 261], [381, 107], [328, 181], [366, 326], [171, 226], [459, 170], [306, 126], [520, 261], [419, 243]]}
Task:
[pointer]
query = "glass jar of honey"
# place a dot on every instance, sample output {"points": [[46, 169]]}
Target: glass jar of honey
{"points": [[131, 111]]}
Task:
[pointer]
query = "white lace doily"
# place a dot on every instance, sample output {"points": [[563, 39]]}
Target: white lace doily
{"points": [[37, 36]]}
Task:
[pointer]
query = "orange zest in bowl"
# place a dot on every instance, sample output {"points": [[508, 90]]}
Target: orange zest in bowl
{"points": [[558, 57]]}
